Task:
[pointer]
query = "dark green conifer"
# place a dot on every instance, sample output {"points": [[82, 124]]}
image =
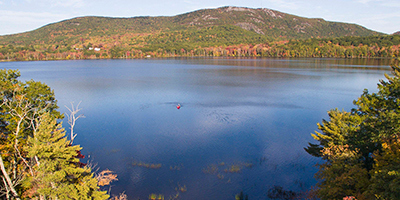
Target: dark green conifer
{"points": [[361, 148]]}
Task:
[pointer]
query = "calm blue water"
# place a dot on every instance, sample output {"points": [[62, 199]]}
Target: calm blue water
{"points": [[253, 116]]}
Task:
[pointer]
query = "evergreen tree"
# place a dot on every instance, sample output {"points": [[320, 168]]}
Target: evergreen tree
{"points": [[57, 171], [36, 159], [21, 103], [361, 147], [385, 176]]}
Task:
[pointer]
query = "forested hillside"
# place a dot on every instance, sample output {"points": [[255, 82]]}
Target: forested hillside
{"points": [[226, 31]]}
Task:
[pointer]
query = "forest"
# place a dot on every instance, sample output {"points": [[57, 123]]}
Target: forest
{"points": [[226, 31], [210, 42]]}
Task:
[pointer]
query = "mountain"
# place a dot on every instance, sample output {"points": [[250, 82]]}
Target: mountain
{"points": [[269, 24], [225, 31]]}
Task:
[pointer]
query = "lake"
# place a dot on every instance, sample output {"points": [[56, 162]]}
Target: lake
{"points": [[242, 125]]}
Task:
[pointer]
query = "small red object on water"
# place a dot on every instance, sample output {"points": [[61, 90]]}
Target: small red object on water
{"points": [[178, 106]]}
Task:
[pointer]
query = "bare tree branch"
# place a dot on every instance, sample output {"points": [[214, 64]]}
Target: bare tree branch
{"points": [[72, 119], [8, 181]]}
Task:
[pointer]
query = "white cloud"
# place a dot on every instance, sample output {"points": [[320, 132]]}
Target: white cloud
{"points": [[59, 3], [384, 3], [20, 21], [284, 4], [379, 18], [372, 1], [21, 16], [69, 3], [386, 22], [191, 2], [392, 4], [364, 1]]}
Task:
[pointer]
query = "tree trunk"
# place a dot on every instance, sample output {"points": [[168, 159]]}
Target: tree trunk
{"points": [[8, 180], [6, 188]]}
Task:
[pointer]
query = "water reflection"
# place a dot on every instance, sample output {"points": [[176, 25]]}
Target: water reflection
{"points": [[242, 125], [317, 63]]}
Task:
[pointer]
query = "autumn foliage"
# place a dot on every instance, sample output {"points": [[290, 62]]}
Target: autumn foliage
{"points": [[361, 148], [37, 160]]}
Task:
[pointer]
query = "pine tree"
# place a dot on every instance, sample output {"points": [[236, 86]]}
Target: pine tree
{"points": [[385, 176], [36, 159], [57, 172], [361, 148], [20, 104]]}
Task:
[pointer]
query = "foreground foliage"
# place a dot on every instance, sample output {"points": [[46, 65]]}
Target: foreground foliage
{"points": [[361, 148], [37, 161]]}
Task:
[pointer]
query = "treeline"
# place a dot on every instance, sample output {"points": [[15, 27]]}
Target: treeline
{"points": [[212, 42]]}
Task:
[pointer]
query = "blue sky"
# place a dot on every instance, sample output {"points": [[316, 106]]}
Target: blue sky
{"points": [[25, 15]]}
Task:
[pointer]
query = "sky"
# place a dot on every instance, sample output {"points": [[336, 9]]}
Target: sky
{"points": [[18, 16]]}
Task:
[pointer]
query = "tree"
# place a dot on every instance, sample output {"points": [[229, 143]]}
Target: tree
{"points": [[361, 147], [386, 174], [57, 172], [21, 103], [342, 174], [36, 159]]}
